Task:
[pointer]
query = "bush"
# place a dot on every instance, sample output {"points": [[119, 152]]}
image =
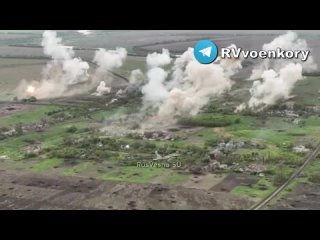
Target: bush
{"points": [[72, 129], [134, 136], [32, 99], [136, 145], [206, 121], [279, 178], [4, 129], [30, 141], [30, 155], [70, 153], [46, 150], [86, 129], [2, 137], [211, 142], [314, 177], [237, 121], [149, 145], [18, 129], [53, 112], [67, 141], [135, 126]]}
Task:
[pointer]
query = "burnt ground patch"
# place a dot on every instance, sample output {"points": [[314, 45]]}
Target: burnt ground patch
{"points": [[233, 180], [58, 183], [39, 191], [303, 197]]}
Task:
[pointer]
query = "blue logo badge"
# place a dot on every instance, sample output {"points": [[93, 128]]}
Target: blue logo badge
{"points": [[205, 51]]}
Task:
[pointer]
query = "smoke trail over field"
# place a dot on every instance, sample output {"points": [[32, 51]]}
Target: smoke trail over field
{"points": [[278, 76]]}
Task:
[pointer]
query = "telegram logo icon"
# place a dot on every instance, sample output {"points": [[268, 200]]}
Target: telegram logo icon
{"points": [[205, 51]]}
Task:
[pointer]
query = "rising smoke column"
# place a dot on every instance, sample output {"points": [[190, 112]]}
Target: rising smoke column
{"points": [[159, 59], [72, 70], [136, 77], [278, 75], [102, 89], [198, 84], [190, 85], [107, 60], [287, 41], [273, 86], [60, 72], [155, 91]]}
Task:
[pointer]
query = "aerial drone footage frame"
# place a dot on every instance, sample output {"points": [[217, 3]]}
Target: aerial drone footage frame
{"points": [[96, 119]]}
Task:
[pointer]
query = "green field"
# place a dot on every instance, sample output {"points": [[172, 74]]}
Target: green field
{"points": [[259, 190], [27, 117], [47, 164]]}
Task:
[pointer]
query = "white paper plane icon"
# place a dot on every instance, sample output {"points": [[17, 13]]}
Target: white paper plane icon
{"points": [[206, 51]]}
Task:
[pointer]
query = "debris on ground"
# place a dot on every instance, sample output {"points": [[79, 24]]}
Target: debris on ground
{"points": [[300, 149]]}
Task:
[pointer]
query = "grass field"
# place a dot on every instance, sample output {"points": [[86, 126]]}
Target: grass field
{"points": [[132, 63], [10, 76], [47, 164], [134, 174], [13, 147], [14, 62], [27, 117], [307, 90], [259, 190]]}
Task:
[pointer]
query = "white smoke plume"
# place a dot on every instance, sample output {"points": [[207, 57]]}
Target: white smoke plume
{"points": [[231, 65], [102, 89], [287, 41], [109, 59], [85, 32], [200, 82], [278, 76], [273, 87], [178, 68], [190, 86], [53, 47], [136, 77], [155, 91], [75, 71], [59, 73], [159, 59]]}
